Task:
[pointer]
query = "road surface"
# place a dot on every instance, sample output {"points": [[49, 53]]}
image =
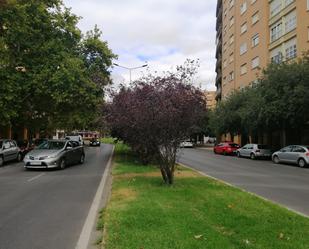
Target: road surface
{"points": [[46, 209], [287, 185]]}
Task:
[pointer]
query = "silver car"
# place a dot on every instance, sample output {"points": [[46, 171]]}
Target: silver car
{"points": [[55, 154], [295, 154], [9, 151], [254, 151]]}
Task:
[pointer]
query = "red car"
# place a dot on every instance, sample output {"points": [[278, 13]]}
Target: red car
{"points": [[226, 148]]}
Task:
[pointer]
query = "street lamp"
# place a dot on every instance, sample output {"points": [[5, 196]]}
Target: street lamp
{"points": [[130, 68]]}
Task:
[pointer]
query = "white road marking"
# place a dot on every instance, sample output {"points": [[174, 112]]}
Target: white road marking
{"points": [[35, 177], [84, 237]]}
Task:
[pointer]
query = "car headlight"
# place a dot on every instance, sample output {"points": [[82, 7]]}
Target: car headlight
{"points": [[27, 157]]}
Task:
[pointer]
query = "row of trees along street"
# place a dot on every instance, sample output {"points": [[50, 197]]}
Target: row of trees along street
{"points": [[155, 114], [278, 102], [51, 75]]}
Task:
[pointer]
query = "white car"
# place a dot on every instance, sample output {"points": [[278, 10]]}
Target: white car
{"points": [[77, 138], [186, 144]]}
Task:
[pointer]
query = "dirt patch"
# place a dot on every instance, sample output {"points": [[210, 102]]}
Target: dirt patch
{"points": [[177, 174], [124, 194]]}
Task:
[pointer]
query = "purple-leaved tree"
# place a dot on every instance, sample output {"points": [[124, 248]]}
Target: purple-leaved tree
{"points": [[155, 114]]}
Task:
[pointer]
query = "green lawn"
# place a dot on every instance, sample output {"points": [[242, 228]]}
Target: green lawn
{"points": [[196, 212]]}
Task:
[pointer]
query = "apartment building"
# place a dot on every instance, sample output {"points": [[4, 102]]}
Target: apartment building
{"points": [[253, 33]]}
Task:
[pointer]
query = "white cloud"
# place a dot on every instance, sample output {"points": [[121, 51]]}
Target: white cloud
{"points": [[162, 32]]}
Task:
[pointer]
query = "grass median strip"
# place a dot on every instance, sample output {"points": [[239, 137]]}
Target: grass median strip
{"points": [[196, 212]]}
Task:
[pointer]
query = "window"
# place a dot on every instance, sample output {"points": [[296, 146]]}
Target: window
{"points": [[231, 21], [291, 52], [253, 1], [255, 40], [243, 28], [243, 69], [276, 32], [277, 58], [243, 48], [255, 18], [290, 49], [231, 76], [224, 64], [224, 47], [255, 62], [231, 3], [225, 12], [288, 2], [276, 55], [290, 22], [243, 7], [275, 7]]}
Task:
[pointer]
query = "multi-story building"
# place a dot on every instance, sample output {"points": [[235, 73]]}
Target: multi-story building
{"points": [[252, 33]]}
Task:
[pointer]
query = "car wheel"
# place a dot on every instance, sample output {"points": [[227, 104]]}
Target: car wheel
{"points": [[19, 157], [252, 156], [302, 163], [1, 161], [82, 159], [238, 154], [62, 163], [276, 159]]}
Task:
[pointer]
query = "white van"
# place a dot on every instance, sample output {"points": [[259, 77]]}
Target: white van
{"points": [[77, 138]]}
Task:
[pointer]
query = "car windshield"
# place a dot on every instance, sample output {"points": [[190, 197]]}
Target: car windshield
{"points": [[234, 145], [263, 147], [51, 145]]}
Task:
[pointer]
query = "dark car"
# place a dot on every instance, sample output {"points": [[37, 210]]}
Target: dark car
{"points": [[55, 154], [25, 146], [94, 142], [226, 148], [9, 151]]}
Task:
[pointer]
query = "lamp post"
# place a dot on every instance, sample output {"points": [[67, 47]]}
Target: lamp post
{"points": [[130, 68]]}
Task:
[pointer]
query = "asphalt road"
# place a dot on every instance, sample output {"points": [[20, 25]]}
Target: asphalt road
{"points": [[46, 209], [287, 185]]}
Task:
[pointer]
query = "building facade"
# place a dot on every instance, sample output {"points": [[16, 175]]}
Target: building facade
{"points": [[210, 99], [253, 33]]}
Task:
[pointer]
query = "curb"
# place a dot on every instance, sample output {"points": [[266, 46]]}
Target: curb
{"points": [[84, 238]]}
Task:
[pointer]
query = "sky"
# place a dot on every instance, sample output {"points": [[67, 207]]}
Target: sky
{"points": [[159, 33]]}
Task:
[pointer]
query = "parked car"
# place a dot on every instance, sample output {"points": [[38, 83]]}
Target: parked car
{"points": [[186, 144], [55, 154], [94, 142], [9, 151], [226, 148], [25, 146], [77, 138], [295, 154], [254, 151]]}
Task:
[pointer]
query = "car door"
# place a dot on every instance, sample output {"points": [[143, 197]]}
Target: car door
{"points": [[296, 152], [242, 150], [6, 150], [76, 151], [14, 150], [69, 153], [284, 154], [245, 151]]}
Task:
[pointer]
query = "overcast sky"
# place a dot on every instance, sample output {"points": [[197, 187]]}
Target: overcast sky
{"points": [[162, 33]]}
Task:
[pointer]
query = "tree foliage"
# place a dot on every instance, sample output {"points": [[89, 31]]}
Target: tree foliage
{"points": [[278, 101], [48, 71], [155, 114]]}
